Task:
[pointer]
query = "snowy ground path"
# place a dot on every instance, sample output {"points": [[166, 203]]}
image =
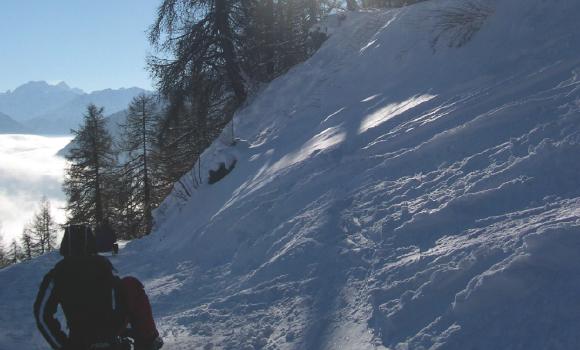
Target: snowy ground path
{"points": [[387, 194]]}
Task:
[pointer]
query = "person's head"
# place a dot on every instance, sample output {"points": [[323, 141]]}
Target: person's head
{"points": [[78, 240]]}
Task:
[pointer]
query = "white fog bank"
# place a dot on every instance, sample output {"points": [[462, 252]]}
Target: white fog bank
{"points": [[29, 169]]}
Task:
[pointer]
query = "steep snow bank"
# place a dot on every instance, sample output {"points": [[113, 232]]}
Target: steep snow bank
{"points": [[388, 193]]}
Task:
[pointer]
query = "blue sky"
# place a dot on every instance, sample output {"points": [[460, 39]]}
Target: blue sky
{"points": [[89, 44]]}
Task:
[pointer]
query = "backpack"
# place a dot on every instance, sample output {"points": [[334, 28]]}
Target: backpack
{"points": [[91, 298]]}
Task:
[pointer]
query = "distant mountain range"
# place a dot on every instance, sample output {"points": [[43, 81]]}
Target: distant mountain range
{"points": [[42, 108], [11, 126]]}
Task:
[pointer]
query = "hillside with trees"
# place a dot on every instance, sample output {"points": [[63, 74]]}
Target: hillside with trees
{"points": [[412, 184]]}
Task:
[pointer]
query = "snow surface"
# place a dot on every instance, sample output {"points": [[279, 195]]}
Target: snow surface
{"points": [[388, 194]]}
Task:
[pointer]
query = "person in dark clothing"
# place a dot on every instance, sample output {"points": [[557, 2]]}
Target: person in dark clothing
{"points": [[97, 304]]}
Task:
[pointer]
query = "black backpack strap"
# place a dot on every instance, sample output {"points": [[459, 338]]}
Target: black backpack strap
{"points": [[45, 307]]}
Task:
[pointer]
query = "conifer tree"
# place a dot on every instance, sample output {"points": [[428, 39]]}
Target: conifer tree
{"points": [[14, 253], [138, 141], [27, 243], [39, 236], [200, 38], [89, 175]]}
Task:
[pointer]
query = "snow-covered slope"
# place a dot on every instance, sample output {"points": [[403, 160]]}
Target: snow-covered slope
{"points": [[390, 192]]}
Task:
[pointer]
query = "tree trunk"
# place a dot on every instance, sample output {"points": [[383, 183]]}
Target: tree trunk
{"points": [[147, 185]]}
